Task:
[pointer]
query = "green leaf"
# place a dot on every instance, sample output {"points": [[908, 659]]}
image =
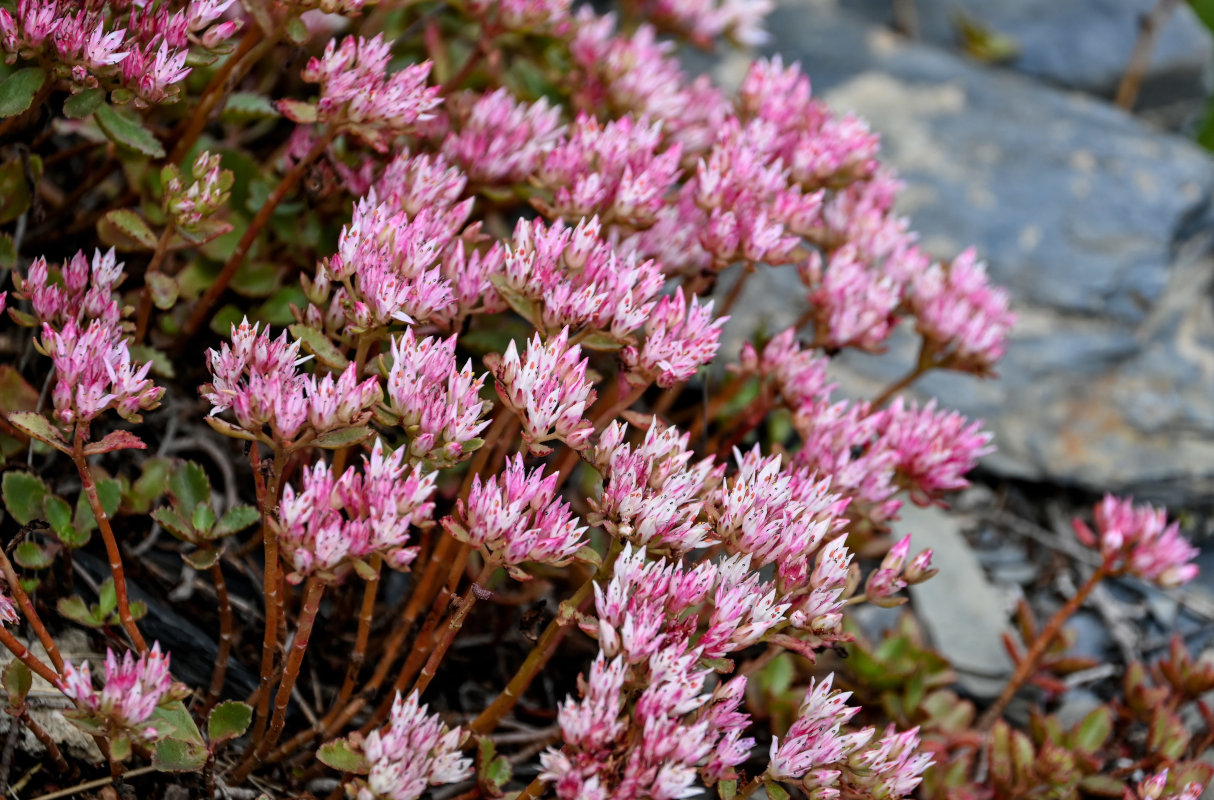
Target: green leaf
{"points": [[203, 518], [149, 485], [175, 755], [109, 492], [248, 107], [341, 756], [599, 341], [364, 570], [8, 252], [1094, 730], [588, 555], [276, 310], [171, 521], [39, 427], [23, 494], [774, 790], [162, 365], [319, 345], [297, 31], [727, 790], [126, 130], [78, 611], [81, 104], [120, 747], [255, 280], [344, 437], [297, 111], [202, 559], [174, 721], [236, 518], [190, 486], [17, 682], [777, 676], [162, 288], [107, 598], [130, 225], [225, 318], [224, 428], [58, 513], [228, 720], [498, 774], [18, 90], [1104, 785]]}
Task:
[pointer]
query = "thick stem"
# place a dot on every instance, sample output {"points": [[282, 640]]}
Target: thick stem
{"points": [[751, 786], [1024, 670], [267, 498], [145, 297], [31, 615], [544, 647], [220, 670], [111, 544], [453, 627], [364, 634], [307, 617], [22, 653], [206, 303]]}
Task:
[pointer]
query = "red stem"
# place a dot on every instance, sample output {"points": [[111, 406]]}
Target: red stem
{"points": [[219, 672], [111, 544], [31, 615], [1028, 664]]}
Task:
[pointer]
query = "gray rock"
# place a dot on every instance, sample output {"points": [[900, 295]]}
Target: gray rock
{"points": [[1077, 44], [963, 613], [1100, 226]]}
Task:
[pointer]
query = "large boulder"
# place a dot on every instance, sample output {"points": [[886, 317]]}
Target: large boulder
{"points": [[1100, 226], [1076, 44]]}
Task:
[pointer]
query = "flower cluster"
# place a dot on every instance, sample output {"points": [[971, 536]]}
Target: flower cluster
{"points": [[437, 403], [548, 390], [82, 333], [134, 688], [498, 140], [336, 520], [258, 379], [356, 95], [1138, 540], [653, 494], [415, 751], [143, 51], [207, 194], [517, 517]]}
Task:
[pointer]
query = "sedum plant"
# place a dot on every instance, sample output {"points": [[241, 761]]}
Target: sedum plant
{"points": [[442, 281]]}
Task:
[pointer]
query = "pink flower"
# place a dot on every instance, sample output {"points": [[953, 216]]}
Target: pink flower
{"points": [[620, 171], [87, 291], [816, 740], [498, 140], [516, 517], [652, 495], [964, 319], [798, 375], [94, 372], [853, 304], [548, 390], [890, 767], [341, 403], [935, 449], [259, 380], [8, 610], [438, 404], [680, 338], [739, 20], [1154, 787], [523, 15], [387, 265], [357, 95], [133, 689], [333, 521], [1138, 540], [414, 751]]}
